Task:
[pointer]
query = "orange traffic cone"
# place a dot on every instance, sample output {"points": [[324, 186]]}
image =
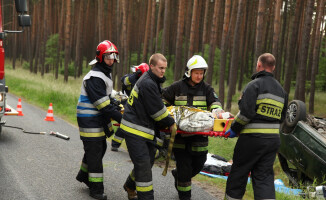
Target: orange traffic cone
{"points": [[49, 115], [19, 108]]}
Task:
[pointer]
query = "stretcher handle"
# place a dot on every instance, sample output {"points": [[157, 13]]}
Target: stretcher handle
{"points": [[173, 133]]}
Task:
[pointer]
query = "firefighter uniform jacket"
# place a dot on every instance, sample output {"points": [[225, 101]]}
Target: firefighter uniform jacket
{"points": [[262, 106], [94, 111], [126, 84], [202, 96], [145, 109]]}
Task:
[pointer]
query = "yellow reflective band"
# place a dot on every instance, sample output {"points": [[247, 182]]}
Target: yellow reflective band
{"points": [[256, 130], [159, 118], [84, 134], [134, 93], [144, 189], [195, 62], [179, 146], [202, 108], [83, 169], [132, 175], [237, 119], [199, 103], [118, 141], [199, 149], [270, 101], [184, 189], [102, 105], [96, 180], [214, 106], [159, 143], [136, 132], [127, 81], [269, 111], [180, 103]]}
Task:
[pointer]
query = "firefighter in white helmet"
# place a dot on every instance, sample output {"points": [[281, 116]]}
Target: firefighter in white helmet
{"points": [[190, 152]]}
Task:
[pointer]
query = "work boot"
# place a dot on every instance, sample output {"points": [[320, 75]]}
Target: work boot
{"points": [[132, 194], [114, 149], [82, 177], [101, 196], [174, 174]]}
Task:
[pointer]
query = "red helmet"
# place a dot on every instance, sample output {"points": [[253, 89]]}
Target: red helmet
{"points": [[142, 67], [106, 47]]}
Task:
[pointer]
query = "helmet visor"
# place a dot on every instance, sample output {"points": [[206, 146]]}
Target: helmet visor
{"points": [[110, 56]]}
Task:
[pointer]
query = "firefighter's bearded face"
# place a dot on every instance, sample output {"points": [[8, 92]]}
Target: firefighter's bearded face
{"points": [[159, 68], [197, 75]]}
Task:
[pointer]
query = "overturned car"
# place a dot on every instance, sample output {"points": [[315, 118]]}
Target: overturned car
{"points": [[302, 153]]}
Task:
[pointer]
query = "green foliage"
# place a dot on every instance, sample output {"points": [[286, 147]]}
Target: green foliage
{"points": [[133, 59], [169, 73], [26, 65], [321, 76], [44, 90], [71, 69], [52, 45]]}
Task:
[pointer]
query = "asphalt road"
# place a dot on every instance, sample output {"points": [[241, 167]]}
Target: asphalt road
{"points": [[35, 167]]}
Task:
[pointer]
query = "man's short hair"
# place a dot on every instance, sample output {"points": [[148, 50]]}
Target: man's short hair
{"points": [[155, 58], [267, 60]]}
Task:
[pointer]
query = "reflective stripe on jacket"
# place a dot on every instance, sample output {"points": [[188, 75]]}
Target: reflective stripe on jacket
{"points": [[144, 108], [201, 96], [92, 127], [262, 106]]}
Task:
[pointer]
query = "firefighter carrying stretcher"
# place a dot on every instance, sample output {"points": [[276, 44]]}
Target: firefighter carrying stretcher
{"points": [[128, 82], [144, 113], [190, 151]]}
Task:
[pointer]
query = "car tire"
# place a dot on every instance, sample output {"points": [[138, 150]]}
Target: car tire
{"points": [[296, 112]]}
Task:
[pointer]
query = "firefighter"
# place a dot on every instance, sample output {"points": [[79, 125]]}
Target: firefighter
{"points": [[144, 112], [190, 151], [128, 82], [262, 106], [94, 112]]}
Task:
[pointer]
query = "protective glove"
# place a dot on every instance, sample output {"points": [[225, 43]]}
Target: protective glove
{"points": [[115, 103], [230, 134]]}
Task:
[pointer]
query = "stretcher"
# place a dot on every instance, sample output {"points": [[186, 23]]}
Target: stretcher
{"points": [[219, 129]]}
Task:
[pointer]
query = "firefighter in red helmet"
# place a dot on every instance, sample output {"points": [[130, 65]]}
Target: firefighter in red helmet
{"points": [[128, 82], [94, 111]]}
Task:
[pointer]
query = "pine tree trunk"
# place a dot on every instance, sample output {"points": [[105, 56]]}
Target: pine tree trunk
{"points": [[224, 50], [213, 43], [79, 42], [292, 47], [235, 56], [67, 39], [276, 33], [147, 30], [178, 55], [259, 30], [301, 72], [205, 28], [319, 15]]}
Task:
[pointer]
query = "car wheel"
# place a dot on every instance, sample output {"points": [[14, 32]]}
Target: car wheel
{"points": [[296, 112]]}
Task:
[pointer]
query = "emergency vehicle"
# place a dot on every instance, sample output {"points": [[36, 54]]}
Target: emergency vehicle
{"points": [[24, 20]]}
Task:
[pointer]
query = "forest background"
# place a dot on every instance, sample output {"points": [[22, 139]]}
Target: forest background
{"points": [[229, 34]]}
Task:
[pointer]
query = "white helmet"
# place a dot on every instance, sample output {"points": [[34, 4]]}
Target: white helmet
{"points": [[195, 62]]}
